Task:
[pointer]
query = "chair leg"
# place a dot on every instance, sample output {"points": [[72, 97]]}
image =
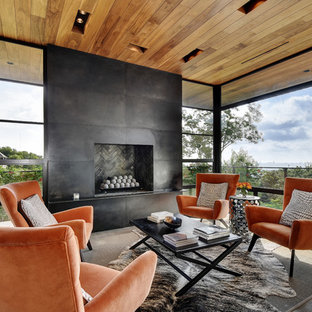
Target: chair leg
{"points": [[81, 256], [253, 241], [89, 245], [292, 260]]}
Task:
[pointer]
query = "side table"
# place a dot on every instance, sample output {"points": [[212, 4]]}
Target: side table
{"points": [[238, 223]]}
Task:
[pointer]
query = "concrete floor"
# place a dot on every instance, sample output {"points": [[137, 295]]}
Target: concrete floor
{"points": [[108, 245]]}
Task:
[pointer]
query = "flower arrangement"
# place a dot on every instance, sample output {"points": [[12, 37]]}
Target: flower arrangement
{"points": [[244, 187]]}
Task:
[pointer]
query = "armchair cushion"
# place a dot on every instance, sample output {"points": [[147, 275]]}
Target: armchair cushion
{"points": [[210, 192], [299, 207], [36, 212]]}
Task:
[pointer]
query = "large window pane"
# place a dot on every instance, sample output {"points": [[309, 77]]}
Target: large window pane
{"points": [[22, 137], [197, 121], [12, 173], [196, 146], [21, 102], [190, 170]]}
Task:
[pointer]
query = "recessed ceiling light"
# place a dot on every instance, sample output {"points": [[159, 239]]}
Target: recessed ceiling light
{"points": [[136, 48], [250, 6], [80, 21], [191, 55]]}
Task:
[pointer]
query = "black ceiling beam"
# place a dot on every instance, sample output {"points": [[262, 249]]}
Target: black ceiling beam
{"points": [[24, 82], [198, 82], [21, 42]]}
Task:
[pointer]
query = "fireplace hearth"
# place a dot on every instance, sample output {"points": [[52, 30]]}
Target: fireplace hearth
{"points": [[123, 168]]}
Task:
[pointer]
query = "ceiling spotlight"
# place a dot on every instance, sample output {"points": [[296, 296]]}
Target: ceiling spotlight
{"points": [[191, 55], [80, 21], [250, 6], [136, 48]]}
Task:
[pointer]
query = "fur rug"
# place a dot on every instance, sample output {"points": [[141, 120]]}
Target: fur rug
{"points": [[263, 275]]}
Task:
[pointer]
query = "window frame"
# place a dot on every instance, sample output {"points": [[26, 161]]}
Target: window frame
{"points": [[196, 160]]}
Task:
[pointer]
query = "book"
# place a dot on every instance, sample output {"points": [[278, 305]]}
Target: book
{"points": [[179, 239], [208, 232], [182, 246], [159, 216]]}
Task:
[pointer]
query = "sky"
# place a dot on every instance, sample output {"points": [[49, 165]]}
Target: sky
{"points": [[287, 130], [24, 103]]}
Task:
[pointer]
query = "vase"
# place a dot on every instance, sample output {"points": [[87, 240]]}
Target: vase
{"points": [[243, 192]]}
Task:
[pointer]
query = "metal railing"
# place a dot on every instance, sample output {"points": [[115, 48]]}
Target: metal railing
{"points": [[268, 181]]}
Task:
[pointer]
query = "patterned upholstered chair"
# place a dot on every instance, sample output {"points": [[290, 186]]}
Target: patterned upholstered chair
{"points": [[264, 222], [220, 209], [42, 272]]}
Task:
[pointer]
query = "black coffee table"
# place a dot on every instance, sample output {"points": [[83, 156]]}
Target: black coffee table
{"points": [[156, 232]]}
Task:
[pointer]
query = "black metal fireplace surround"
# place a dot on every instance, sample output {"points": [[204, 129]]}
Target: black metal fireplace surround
{"points": [[93, 100]]}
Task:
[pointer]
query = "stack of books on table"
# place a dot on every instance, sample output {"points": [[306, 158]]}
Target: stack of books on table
{"points": [[181, 240], [209, 232], [159, 216]]}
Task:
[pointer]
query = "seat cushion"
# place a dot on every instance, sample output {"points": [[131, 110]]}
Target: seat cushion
{"points": [[36, 211], [210, 192], [299, 207], [274, 232], [198, 212]]}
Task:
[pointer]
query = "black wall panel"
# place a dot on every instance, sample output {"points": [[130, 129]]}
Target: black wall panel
{"points": [[92, 99]]}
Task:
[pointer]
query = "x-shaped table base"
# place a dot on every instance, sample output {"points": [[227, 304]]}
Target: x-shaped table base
{"points": [[203, 261]]}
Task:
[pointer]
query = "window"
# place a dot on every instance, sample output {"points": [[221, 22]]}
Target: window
{"points": [[274, 142], [197, 132], [21, 133]]}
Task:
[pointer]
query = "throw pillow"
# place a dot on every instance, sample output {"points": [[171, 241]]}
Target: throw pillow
{"points": [[36, 212], [299, 207], [210, 192], [86, 297]]}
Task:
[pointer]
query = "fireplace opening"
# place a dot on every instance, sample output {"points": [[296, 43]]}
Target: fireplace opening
{"points": [[123, 168]]}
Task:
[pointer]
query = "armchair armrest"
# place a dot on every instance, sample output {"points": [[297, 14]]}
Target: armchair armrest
{"points": [[221, 208], [186, 200], [84, 212], [255, 214], [128, 290], [300, 237], [79, 228]]}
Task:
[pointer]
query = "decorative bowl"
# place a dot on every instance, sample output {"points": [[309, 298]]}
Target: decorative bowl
{"points": [[173, 222]]}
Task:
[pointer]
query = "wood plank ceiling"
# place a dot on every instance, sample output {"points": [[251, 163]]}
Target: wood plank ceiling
{"points": [[233, 43]]}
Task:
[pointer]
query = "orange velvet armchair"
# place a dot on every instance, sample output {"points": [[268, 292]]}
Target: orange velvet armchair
{"points": [[79, 219], [264, 222], [41, 271], [188, 204]]}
